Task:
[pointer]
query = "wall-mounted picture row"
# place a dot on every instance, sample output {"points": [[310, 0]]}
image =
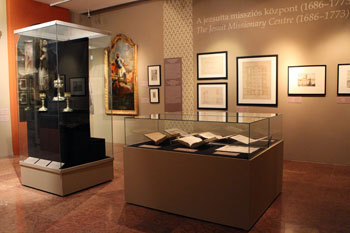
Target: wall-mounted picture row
{"points": [[307, 80], [343, 79], [154, 75], [212, 65], [212, 96]]}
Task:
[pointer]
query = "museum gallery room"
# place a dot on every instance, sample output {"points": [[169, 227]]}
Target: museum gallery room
{"points": [[175, 116]]}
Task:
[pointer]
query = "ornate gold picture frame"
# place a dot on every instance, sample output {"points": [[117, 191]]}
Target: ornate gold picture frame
{"points": [[121, 94]]}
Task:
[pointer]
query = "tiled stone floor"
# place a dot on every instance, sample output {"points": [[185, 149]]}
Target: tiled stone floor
{"points": [[315, 198]]}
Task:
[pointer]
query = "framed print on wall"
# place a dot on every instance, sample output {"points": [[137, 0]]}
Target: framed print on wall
{"points": [[212, 96], [121, 93], [212, 65], [257, 80], [307, 80], [343, 79], [154, 95], [154, 75]]}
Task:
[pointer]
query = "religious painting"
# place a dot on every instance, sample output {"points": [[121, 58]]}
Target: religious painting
{"points": [[257, 80], [307, 80], [121, 77]]}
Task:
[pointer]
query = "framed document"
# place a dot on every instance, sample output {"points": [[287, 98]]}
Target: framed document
{"points": [[154, 75], [343, 79], [307, 80], [212, 96], [154, 95], [22, 84], [212, 65], [257, 80]]}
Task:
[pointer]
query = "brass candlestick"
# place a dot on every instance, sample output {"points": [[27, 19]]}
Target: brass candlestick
{"points": [[58, 83], [67, 95], [42, 97]]}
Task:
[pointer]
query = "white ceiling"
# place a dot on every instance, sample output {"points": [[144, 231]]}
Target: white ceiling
{"points": [[82, 6]]}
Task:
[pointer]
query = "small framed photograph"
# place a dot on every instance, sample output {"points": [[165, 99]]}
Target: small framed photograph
{"points": [[343, 79], [307, 80], [77, 86], [212, 96], [154, 75], [257, 78], [22, 84], [154, 95], [212, 65], [23, 98]]}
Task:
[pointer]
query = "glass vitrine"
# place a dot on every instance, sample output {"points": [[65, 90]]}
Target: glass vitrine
{"points": [[239, 135], [61, 117]]}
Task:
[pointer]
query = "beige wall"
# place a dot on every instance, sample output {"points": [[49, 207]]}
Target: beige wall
{"points": [[5, 119], [317, 129]]}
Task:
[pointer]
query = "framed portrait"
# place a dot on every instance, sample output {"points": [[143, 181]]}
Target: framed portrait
{"points": [[212, 65], [22, 84], [77, 86], [343, 79], [154, 75], [121, 94], [307, 80], [212, 96], [154, 95], [23, 98], [257, 80]]}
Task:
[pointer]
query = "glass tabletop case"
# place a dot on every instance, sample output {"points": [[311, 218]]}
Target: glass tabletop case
{"points": [[61, 115], [238, 135]]}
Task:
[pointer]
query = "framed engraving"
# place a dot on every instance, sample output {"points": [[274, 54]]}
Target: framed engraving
{"points": [[121, 94], [212, 65], [343, 79], [23, 98], [22, 84], [212, 96], [154, 95], [77, 86], [154, 75], [307, 80], [257, 80]]}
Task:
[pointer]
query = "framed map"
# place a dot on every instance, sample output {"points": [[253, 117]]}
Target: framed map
{"points": [[121, 94], [343, 79], [212, 65], [212, 96], [257, 80], [307, 80]]}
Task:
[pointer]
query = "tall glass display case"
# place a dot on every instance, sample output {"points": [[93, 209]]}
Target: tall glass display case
{"points": [[61, 117], [240, 135]]}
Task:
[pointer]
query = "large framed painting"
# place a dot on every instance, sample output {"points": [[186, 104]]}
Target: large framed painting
{"points": [[307, 80], [121, 94], [257, 80], [212, 96], [343, 79], [212, 65]]}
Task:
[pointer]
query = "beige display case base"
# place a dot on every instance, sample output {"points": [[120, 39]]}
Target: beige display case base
{"points": [[228, 191], [68, 180]]}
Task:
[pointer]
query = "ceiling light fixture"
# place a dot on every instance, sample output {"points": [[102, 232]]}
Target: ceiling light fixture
{"points": [[59, 2]]}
